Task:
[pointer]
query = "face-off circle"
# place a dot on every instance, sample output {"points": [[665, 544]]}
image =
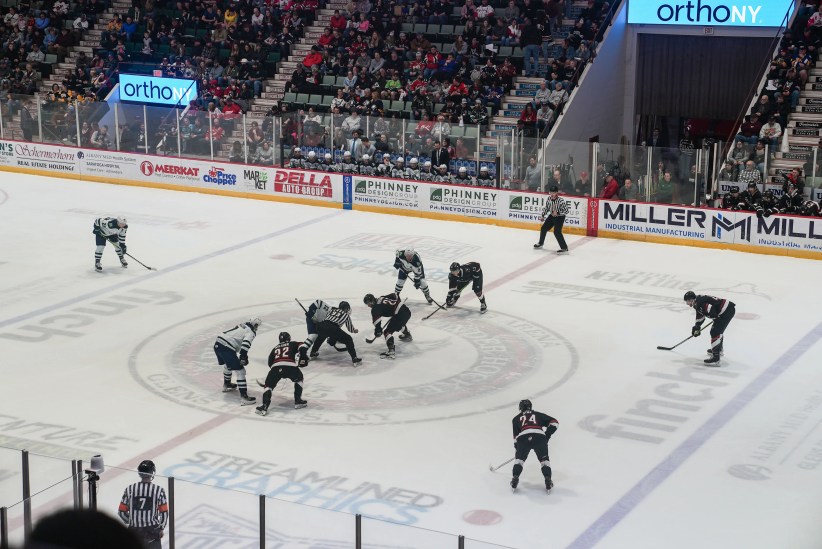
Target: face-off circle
{"points": [[459, 364]]}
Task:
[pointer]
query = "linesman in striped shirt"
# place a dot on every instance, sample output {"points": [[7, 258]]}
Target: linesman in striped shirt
{"points": [[553, 217], [144, 507], [331, 328]]}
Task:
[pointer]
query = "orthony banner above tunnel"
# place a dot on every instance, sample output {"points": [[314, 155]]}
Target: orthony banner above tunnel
{"points": [[157, 90], [712, 13]]}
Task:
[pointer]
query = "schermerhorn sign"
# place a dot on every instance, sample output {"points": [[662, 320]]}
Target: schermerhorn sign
{"points": [[725, 13], [155, 90]]}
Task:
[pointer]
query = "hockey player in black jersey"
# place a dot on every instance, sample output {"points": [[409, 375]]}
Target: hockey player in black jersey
{"points": [[460, 277], [750, 198], [331, 328], [721, 310], [284, 364], [232, 348], [113, 230], [732, 200], [810, 208], [768, 205], [532, 431], [389, 306], [791, 202], [408, 262]]}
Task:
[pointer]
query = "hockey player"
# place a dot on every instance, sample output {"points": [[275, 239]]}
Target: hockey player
{"points": [[312, 162], [462, 177], [425, 173], [297, 161], [389, 306], [532, 431], [231, 342], [283, 364], [328, 163], [731, 200], [768, 205], [413, 169], [408, 262], [721, 310], [791, 202], [315, 315], [331, 329], [348, 165], [459, 278], [385, 167], [810, 208], [484, 178], [398, 171], [750, 198], [365, 166], [112, 229], [144, 507], [442, 175]]}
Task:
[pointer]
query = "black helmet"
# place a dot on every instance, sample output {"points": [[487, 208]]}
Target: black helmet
{"points": [[734, 189], [284, 337], [146, 469], [553, 189], [751, 184], [525, 405], [369, 299], [768, 194], [689, 295], [454, 267], [344, 306]]}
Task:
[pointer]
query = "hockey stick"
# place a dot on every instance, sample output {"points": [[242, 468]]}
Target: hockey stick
{"points": [[661, 348], [435, 310], [140, 262], [301, 305], [492, 468]]}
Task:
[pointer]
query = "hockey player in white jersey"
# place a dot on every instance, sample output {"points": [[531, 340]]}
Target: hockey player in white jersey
{"points": [[317, 313], [232, 348], [408, 262], [111, 229]]}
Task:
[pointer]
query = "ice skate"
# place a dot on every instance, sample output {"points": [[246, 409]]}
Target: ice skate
{"points": [[123, 263], [228, 387], [246, 400], [406, 336], [314, 354], [537, 246], [300, 404], [483, 308], [514, 483], [548, 485], [356, 360], [562, 251], [713, 360], [388, 354], [97, 266], [261, 411]]}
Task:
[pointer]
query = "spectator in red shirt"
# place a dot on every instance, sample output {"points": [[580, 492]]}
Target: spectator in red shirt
{"points": [[313, 58], [749, 131], [432, 63], [528, 120], [611, 188], [338, 21], [231, 109]]}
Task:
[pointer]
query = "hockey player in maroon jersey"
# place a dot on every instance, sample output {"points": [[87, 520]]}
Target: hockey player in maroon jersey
{"points": [[721, 310], [459, 278], [389, 306], [284, 364], [532, 431]]}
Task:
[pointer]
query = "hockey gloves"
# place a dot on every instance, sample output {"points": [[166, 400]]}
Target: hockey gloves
{"points": [[243, 358], [377, 330], [451, 300], [695, 331], [303, 362], [417, 283]]}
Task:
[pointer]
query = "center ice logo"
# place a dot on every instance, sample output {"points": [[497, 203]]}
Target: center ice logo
{"points": [[484, 362]]}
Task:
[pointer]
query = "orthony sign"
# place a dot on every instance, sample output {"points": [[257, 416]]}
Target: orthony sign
{"points": [[726, 13]]}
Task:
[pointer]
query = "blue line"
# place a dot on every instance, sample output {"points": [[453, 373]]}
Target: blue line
{"points": [[659, 474], [166, 270]]}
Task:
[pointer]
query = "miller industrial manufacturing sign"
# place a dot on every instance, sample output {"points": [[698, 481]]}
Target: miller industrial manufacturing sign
{"points": [[718, 13]]}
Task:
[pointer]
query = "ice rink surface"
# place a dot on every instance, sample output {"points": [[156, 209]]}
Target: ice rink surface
{"points": [[653, 449]]}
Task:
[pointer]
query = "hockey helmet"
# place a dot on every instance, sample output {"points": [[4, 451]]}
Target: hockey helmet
{"points": [[483, 168], [443, 167], [409, 253], [344, 305], [734, 189], [297, 150], [689, 295], [386, 155], [365, 158], [553, 189], [147, 469], [400, 160], [454, 267], [312, 154], [414, 161], [369, 300], [427, 164], [347, 154], [463, 169], [768, 194], [121, 222], [254, 323], [525, 405], [284, 337], [751, 185], [328, 156]]}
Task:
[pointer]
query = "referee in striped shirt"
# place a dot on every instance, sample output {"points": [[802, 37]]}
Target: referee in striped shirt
{"points": [[331, 328], [144, 507], [553, 217]]}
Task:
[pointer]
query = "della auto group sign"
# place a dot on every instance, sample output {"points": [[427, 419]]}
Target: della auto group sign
{"points": [[720, 13]]}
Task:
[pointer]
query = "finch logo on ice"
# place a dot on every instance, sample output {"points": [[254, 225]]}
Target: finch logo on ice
{"points": [[496, 359], [303, 183], [220, 177]]}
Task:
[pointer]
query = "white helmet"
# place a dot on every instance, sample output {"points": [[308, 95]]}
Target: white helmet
{"points": [[442, 167], [427, 164], [328, 156], [414, 161], [121, 221], [366, 158], [296, 149], [311, 154], [463, 169], [255, 322], [484, 169], [346, 154], [386, 155], [400, 160]]}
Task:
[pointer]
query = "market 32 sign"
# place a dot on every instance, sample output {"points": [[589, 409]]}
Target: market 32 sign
{"points": [[726, 13]]}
